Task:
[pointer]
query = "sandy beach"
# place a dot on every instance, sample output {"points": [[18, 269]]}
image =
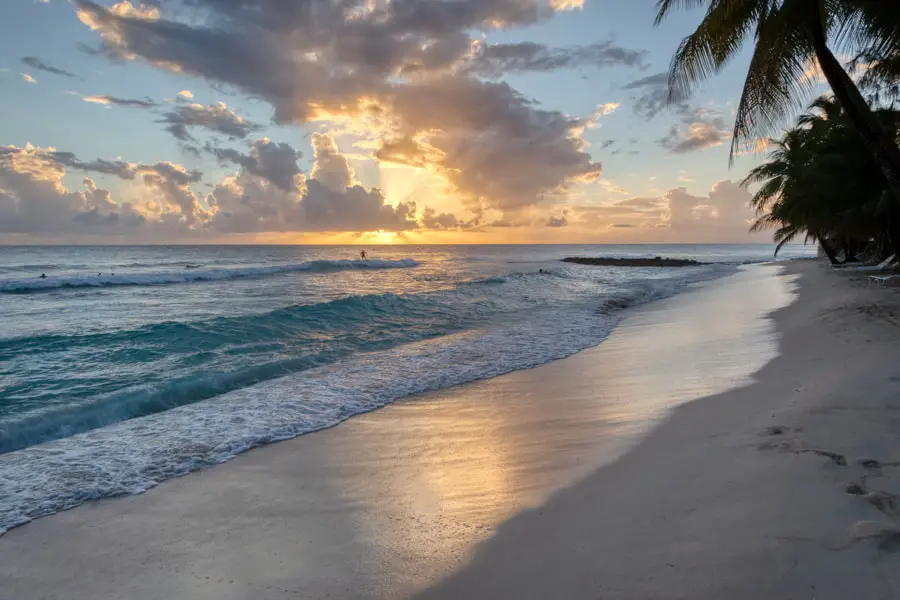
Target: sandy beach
{"points": [[710, 448]]}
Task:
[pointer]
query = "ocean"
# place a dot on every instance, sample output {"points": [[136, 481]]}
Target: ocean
{"points": [[126, 366]]}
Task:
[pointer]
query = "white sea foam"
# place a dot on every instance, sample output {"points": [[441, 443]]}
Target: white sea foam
{"points": [[190, 275]]}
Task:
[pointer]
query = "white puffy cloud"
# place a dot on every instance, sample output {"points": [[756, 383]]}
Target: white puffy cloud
{"points": [[329, 200], [331, 168], [34, 201], [721, 215]]}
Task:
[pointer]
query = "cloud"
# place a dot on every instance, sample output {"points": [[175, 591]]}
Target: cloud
{"points": [[721, 215], [495, 60], [214, 117], [699, 128], [724, 213], [131, 102], [275, 162], [725, 210], [28, 78], [334, 202], [120, 169], [490, 144], [652, 95], [184, 95], [36, 63], [642, 204], [89, 50], [124, 170], [353, 209], [330, 200], [656, 80], [391, 72], [171, 182], [607, 109], [601, 111], [508, 222], [331, 168], [558, 221], [431, 219], [34, 201]]}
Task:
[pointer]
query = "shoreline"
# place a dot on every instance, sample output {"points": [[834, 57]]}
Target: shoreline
{"points": [[787, 488], [485, 490], [133, 455]]}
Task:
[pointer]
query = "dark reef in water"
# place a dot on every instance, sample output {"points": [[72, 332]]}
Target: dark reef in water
{"points": [[633, 262]]}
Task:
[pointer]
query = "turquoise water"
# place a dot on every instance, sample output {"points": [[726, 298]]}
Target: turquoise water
{"points": [[129, 365]]}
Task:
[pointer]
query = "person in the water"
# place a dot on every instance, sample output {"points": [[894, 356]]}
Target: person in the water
{"points": [[43, 276], [363, 255]]}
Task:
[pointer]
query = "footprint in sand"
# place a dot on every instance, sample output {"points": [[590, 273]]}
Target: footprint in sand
{"points": [[887, 503]]}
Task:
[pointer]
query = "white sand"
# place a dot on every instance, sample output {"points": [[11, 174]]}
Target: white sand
{"points": [[510, 488]]}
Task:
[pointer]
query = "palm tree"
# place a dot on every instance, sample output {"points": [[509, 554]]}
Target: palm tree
{"points": [[821, 181], [781, 201], [788, 34]]}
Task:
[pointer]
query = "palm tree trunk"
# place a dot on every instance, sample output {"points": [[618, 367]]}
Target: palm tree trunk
{"points": [[829, 251], [894, 234], [885, 149]]}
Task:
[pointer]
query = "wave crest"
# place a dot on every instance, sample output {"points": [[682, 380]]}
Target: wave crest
{"points": [[20, 286]]}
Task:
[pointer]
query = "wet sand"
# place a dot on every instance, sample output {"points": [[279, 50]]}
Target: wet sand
{"points": [[530, 485]]}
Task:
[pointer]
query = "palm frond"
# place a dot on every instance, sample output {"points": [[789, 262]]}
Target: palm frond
{"points": [[717, 39], [776, 80], [664, 7]]}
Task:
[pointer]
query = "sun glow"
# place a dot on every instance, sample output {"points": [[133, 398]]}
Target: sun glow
{"points": [[380, 237]]}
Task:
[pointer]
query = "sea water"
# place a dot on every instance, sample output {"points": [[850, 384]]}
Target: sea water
{"points": [[126, 366]]}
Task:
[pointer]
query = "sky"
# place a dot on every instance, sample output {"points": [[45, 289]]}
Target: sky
{"points": [[361, 122]]}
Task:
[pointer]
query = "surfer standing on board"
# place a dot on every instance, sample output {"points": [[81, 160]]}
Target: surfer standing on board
{"points": [[363, 255]]}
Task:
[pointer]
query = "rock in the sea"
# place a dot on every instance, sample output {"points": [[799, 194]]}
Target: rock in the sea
{"points": [[657, 261]]}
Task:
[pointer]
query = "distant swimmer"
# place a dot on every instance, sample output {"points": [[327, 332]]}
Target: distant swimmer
{"points": [[42, 276], [363, 255]]}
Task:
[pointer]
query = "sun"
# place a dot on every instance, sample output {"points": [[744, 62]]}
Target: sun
{"points": [[379, 237]]}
